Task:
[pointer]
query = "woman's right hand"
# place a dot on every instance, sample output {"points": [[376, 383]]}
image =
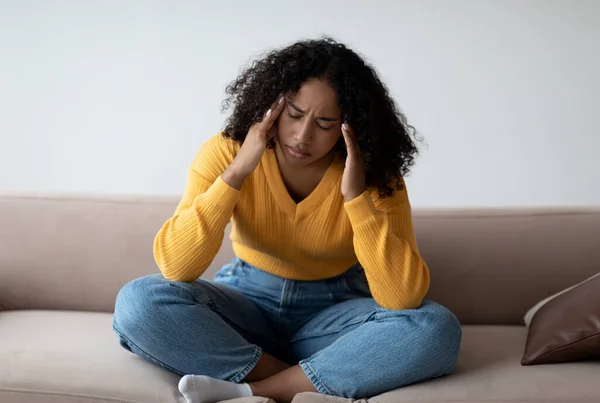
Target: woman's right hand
{"points": [[253, 147]]}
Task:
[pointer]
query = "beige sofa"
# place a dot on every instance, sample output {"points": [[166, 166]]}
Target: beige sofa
{"points": [[63, 259]]}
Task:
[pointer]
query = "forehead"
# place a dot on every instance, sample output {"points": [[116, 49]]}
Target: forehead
{"points": [[317, 95]]}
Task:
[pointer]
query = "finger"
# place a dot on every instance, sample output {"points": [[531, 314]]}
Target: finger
{"points": [[346, 136], [272, 114], [349, 139]]}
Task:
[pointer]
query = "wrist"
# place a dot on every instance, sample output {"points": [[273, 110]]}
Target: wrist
{"points": [[353, 195], [361, 209], [349, 198], [234, 177]]}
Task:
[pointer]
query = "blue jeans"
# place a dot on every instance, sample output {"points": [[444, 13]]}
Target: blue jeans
{"points": [[346, 344]]}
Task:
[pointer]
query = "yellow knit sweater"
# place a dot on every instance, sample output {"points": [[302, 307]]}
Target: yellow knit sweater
{"points": [[320, 237]]}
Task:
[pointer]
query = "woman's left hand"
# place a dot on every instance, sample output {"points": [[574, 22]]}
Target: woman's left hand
{"points": [[353, 179]]}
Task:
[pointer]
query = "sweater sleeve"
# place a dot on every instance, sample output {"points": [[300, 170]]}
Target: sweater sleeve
{"points": [[385, 245], [187, 243]]}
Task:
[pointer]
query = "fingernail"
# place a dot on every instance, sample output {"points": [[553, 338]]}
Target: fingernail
{"points": [[281, 100], [344, 127], [268, 112]]}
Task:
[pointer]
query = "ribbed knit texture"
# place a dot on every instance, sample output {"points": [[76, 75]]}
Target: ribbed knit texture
{"points": [[318, 238]]}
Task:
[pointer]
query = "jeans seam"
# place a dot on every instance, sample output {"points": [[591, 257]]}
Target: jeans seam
{"points": [[322, 333], [246, 370], [166, 366], [346, 284], [283, 299], [314, 378], [217, 309], [204, 300]]}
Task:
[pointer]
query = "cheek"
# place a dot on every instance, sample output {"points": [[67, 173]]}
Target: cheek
{"points": [[283, 127], [328, 141]]}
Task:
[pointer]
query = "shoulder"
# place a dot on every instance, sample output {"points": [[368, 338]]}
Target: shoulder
{"points": [[214, 156], [217, 151], [221, 146]]}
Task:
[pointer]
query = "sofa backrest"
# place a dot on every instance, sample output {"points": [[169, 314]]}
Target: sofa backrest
{"points": [[488, 266]]}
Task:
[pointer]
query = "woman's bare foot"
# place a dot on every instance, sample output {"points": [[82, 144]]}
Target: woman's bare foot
{"points": [[283, 386], [267, 366]]}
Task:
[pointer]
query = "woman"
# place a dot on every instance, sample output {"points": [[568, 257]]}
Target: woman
{"points": [[326, 291]]}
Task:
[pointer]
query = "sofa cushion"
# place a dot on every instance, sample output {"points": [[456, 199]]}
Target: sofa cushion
{"points": [[489, 370], [313, 397], [566, 326], [68, 357]]}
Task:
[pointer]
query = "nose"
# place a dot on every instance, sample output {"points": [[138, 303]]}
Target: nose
{"points": [[304, 133]]}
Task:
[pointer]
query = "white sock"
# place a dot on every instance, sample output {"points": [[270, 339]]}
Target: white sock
{"points": [[204, 389]]}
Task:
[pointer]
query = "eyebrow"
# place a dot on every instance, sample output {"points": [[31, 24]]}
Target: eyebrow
{"points": [[318, 117]]}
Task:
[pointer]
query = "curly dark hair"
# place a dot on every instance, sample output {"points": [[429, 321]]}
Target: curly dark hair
{"points": [[386, 140]]}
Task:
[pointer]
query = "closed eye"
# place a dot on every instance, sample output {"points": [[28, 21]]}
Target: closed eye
{"points": [[296, 117]]}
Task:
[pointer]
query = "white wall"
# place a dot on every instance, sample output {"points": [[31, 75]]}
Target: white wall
{"points": [[116, 96]]}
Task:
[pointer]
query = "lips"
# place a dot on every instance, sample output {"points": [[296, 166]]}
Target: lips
{"points": [[299, 151]]}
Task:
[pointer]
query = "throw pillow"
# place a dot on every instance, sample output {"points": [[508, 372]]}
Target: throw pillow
{"points": [[566, 326]]}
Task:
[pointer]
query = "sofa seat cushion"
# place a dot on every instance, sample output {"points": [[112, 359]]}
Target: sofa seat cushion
{"points": [[489, 370], [68, 357]]}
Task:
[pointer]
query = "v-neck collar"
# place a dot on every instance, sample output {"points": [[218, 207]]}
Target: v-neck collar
{"points": [[310, 203]]}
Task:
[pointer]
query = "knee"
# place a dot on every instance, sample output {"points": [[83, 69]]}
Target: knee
{"points": [[435, 335], [442, 332], [152, 302], [139, 291], [136, 302]]}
